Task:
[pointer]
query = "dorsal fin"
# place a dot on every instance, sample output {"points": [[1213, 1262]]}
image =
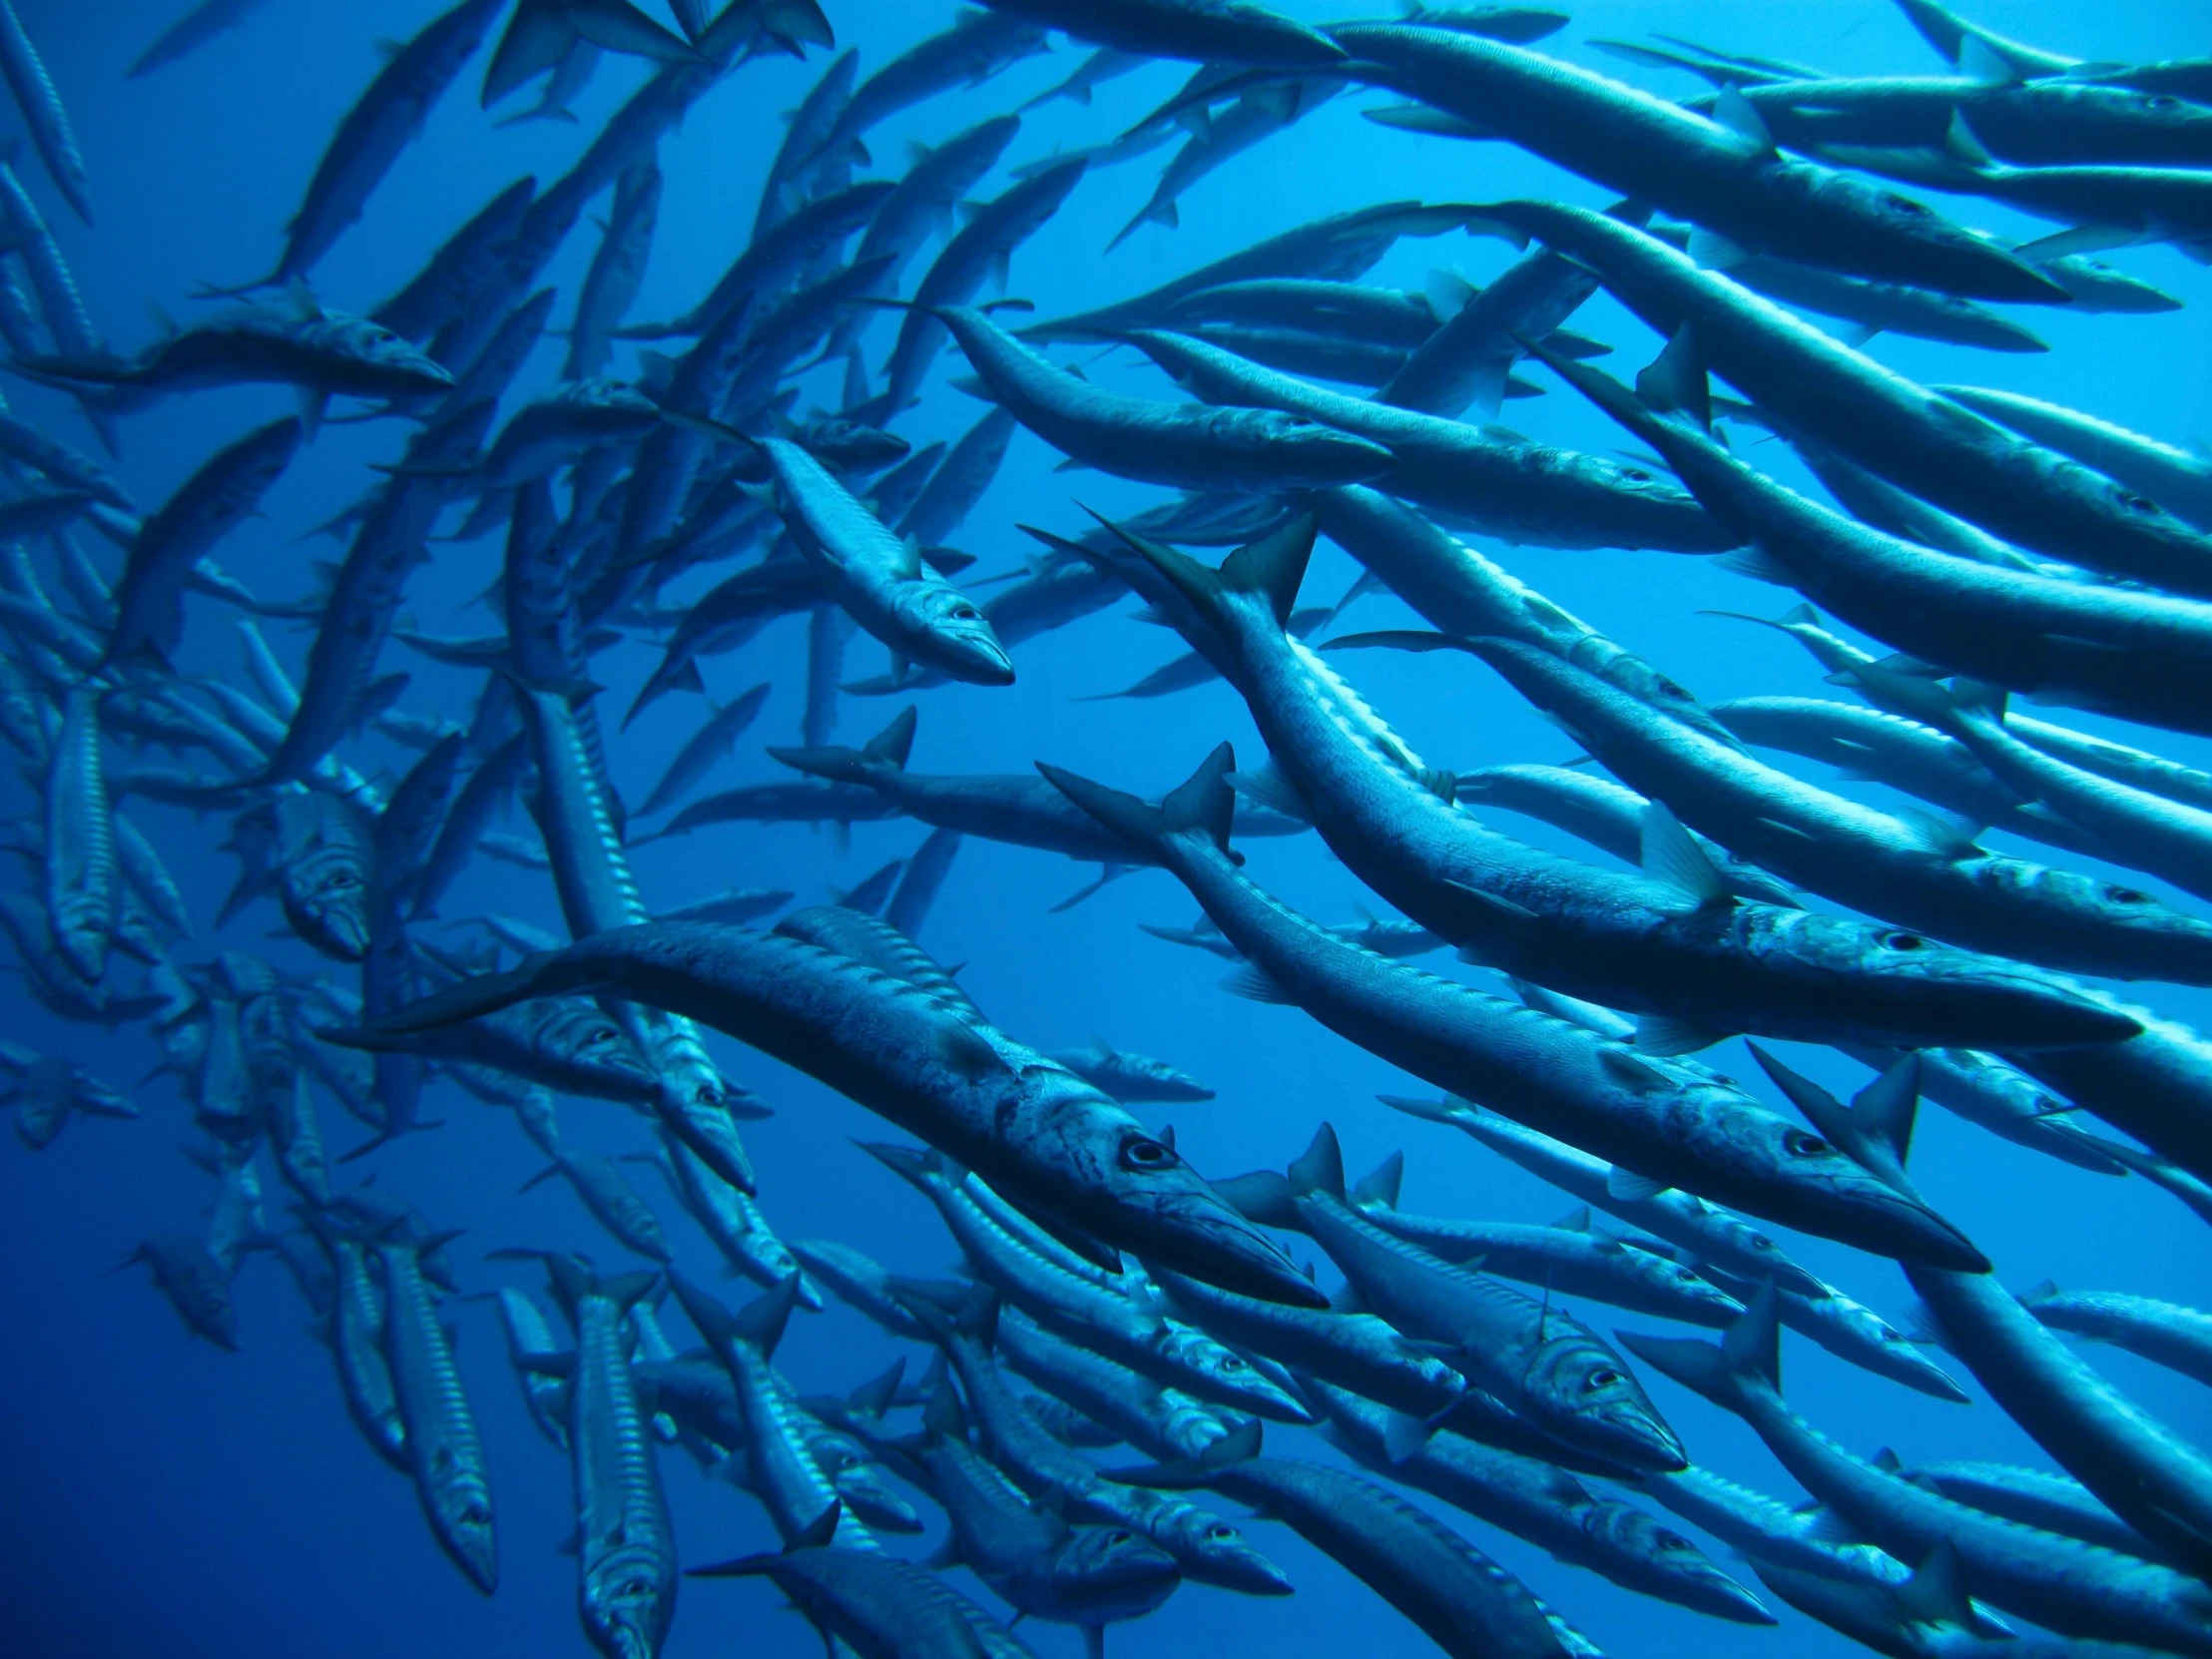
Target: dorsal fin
{"points": [[761, 1321], [1274, 565], [1675, 381], [943, 1415], [1321, 1168], [895, 741], [818, 1533], [1936, 1591], [1380, 1186]]}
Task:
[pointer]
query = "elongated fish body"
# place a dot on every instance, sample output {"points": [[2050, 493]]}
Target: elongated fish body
{"points": [[590, 874], [881, 1607], [1162, 443], [980, 250], [781, 1470], [1608, 817], [325, 353], [2163, 1331], [1132, 1078], [443, 1449], [366, 596], [626, 1545], [1206, 31], [1572, 1262], [704, 749], [2145, 1473], [2001, 1098], [1464, 1602], [923, 202], [856, 1281], [1161, 1421], [43, 111], [2019, 629], [2035, 1497], [1895, 428], [1052, 1141], [1671, 1125], [1860, 857], [387, 117], [1643, 147], [1210, 1550], [1544, 1504], [1507, 487], [878, 579], [1641, 943], [204, 22], [617, 272], [530, 1341], [1099, 1315], [614, 1204], [1901, 752], [1542, 1362], [170, 543], [2175, 479], [357, 1337], [194, 1284], [462, 268], [731, 1219], [83, 883], [2061, 1583]]}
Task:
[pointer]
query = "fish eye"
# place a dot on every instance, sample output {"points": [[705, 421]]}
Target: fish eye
{"points": [[965, 613], [2126, 895], [1222, 1534], [1233, 1364], [1146, 1153], [1906, 206], [1801, 1145], [1902, 941], [476, 1515], [339, 880], [1670, 1541], [1604, 1377], [1119, 1538], [2160, 101], [2139, 503], [1636, 474]]}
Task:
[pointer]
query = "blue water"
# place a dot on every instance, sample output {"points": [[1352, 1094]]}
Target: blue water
{"points": [[161, 1498]]}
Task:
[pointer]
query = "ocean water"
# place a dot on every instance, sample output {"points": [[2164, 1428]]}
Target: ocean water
{"points": [[159, 1497]]}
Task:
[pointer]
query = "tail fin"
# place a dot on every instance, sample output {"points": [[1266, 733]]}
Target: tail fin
{"points": [[1750, 1354], [1321, 1168], [1203, 801], [1240, 1446], [1380, 1186], [536, 975], [914, 1164], [888, 748], [1263, 1197], [1271, 568]]}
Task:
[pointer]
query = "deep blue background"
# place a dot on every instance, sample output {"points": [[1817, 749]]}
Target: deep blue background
{"points": [[159, 1496]]}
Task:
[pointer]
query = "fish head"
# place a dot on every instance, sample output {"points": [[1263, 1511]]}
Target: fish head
{"points": [[1924, 993], [1945, 256], [1294, 451], [871, 1498], [581, 1036], [460, 1504], [1213, 1552], [1822, 1189], [944, 627], [1103, 1574], [392, 363], [2181, 942], [1634, 501], [1677, 1569], [1683, 1284], [1233, 1381], [845, 445], [1132, 1189], [1583, 1392], [325, 900], [628, 1601]]}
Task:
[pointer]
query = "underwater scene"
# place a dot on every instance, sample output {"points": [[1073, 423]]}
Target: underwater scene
{"points": [[1133, 827]]}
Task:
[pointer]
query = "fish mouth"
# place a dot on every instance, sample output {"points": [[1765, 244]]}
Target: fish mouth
{"points": [[2015, 1010], [1239, 1567], [1639, 1443], [978, 661], [2002, 276], [1916, 1233], [1712, 1593], [1234, 1255]]}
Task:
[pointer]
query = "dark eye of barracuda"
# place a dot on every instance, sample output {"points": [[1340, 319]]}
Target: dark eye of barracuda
{"points": [[965, 613], [1905, 206], [1635, 474], [1798, 1144], [2139, 504], [1902, 941], [1602, 1379], [1144, 1153], [1118, 1539], [340, 880], [1222, 1534], [2126, 895]]}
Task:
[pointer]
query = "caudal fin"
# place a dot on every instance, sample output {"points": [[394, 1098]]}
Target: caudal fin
{"points": [[1203, 802], [1748, 1355]]}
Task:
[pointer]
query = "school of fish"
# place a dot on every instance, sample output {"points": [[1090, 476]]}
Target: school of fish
{"points": [[1133, 1357]]}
